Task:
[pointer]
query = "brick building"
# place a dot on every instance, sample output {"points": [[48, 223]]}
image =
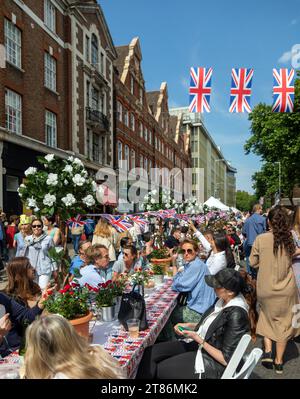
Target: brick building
{"points": [[56, 90], [146, 136]]}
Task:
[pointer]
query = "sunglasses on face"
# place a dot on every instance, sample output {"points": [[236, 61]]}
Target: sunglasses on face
{"points": [[125, 254], [188, 251], [37, 226]]}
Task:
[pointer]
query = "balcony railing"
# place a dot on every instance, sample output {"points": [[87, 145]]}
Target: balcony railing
{"points": [[97, 118]]}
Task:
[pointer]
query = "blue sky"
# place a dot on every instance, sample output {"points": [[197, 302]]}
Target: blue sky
{"points": [[178, 34]]}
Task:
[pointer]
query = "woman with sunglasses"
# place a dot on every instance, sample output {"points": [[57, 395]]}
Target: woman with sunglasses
{"points": [[37, 251], [191, 281]]}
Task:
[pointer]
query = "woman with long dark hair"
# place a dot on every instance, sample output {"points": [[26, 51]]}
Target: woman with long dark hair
{"points": [[273, 252], [219, 252], [214, 338]]}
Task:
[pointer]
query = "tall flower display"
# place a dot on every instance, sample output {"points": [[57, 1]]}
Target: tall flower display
{"points": [[63, 187], [157, 200], [190, 206]]}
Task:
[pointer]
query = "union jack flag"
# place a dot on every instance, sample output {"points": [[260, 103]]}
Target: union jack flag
{"points": [[167, 213], [200, 89], [118, 223], [240, 92], [283, 90], [137, 219], [75, 222]]}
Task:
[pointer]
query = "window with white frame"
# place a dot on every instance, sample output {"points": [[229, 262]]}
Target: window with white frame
{"points": [[95, 51], [132, 122], [120, 152], [13, 43], [13, 111], [146, 134], [126, 117], [132, 159], [50, 72], [50, 15], [131, 84], [126, 155], [120, 111], [141, 130], [141, 95], [87, 48], [51, 128]]}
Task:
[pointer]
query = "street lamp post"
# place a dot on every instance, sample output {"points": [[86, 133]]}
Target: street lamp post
{"points": [[217, 160]]}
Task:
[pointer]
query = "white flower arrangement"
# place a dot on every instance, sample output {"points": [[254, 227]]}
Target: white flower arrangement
{"points": [[64, 189], [30, 171], [69, 200], [52, 179], [78, 180], [49, 199]]}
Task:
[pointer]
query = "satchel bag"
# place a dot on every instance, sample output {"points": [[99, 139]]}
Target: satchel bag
{"points": [[133, 307]]}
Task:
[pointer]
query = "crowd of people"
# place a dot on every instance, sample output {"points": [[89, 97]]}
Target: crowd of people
{"points": [[219, 299]]}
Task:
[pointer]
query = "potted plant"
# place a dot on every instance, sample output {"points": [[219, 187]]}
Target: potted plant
{"points": [[162, 257], [71, 302], [158, 271], [105, 300], [140, 278], [119, 288]]}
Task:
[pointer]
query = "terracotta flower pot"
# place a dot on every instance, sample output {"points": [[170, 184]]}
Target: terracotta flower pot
{"points": [[165, 261], [81, 325]]}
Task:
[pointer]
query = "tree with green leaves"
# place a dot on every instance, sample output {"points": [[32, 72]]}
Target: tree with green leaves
{"points": [[276, 138], [244, 200]]}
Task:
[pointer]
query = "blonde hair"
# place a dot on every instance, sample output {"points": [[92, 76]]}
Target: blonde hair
{"points": [[103, 229], [53, 346], [93, 252]]}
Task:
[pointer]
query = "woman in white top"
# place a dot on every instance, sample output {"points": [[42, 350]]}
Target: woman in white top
{"points": [[55, 351], [219, 251], [214, 339]]}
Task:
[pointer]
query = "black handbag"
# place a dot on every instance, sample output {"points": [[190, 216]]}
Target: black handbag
{"points": [[133, 307]]}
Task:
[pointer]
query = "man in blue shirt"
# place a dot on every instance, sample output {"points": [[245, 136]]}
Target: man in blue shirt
{"points": [[254, 225]]}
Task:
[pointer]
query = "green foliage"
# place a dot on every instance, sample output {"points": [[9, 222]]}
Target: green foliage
{"points": [[158, 268], [106, 294], [275, 138], [161, 253], [61, 187], [70, 302], [244, 200]]}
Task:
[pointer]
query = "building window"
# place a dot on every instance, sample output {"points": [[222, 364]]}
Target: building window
{"points": [[146, 134], [146, 165], [51, 128], [94, 51], [141, 95], [141, 163], [13, 44], [102, 104], [12, 183], [132, 122], [120, 111], [95, 99], [120, 152], [88, 87], [127, 156], [50, 15], [131, 84], [150, 137], [141, 130], [162, 147], [87, 48], [102, 63], [132, 159], [13, 111], [102, 150], [96, 149], [126, 118], [50, 72]]}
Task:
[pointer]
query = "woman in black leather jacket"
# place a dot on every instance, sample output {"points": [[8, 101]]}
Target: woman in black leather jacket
{"points": [[215, 338]]}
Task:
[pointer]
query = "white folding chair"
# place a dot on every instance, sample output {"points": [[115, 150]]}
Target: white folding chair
{"points": [[236, 358], [251, 361]]}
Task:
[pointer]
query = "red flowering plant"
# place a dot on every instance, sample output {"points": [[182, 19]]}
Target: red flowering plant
{"points": [[120, 284], [106, 294], [70, 302]]}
